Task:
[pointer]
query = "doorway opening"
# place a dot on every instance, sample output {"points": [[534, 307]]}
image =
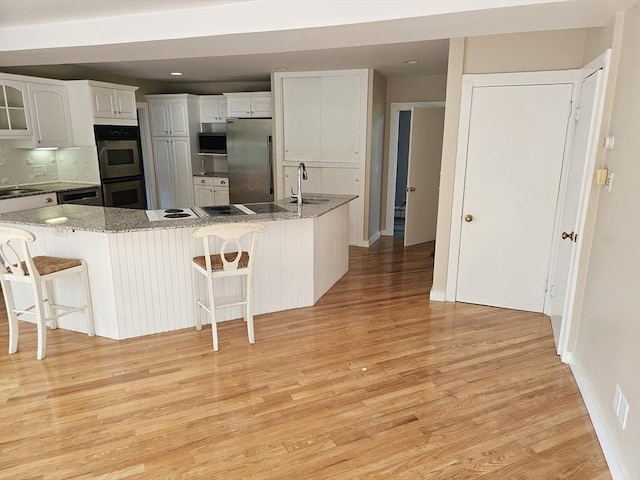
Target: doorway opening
{"points": [[415, 151]]}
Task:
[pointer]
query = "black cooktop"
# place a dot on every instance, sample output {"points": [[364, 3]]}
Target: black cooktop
{"points": [[222, 210], [264, 207]]}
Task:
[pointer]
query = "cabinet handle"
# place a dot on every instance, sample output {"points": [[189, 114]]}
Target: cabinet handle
{"points": [[203, 181], [222, 182], [48, 200], [356, 152]]}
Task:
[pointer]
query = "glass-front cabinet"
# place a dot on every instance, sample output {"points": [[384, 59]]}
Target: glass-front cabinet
{"points": [[14, 111]]}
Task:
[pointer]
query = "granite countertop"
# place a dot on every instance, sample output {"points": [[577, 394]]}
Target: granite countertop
{"points": [[49, 187], [120, 220]]}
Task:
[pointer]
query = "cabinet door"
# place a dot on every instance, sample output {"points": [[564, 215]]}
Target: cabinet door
{"points": [[183, 179], [51, 117], [103, 102], [238, 107], [221, 196], [26, 203], [213, 109], [261, 106], [159, 118], [126, 104], [345, 181], [204, 195], [301, 109], [165, 175], [341, 118], [179, 123], [14, 114]]}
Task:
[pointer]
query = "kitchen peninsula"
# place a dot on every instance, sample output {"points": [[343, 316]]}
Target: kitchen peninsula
{"points": [[140, 270]]}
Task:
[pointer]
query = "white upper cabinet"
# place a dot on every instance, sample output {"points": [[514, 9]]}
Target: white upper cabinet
{"points": [[14, 109], [213, 109], [323, 118], [249, 105], [113, 102], [50, 115], [169, 117]]}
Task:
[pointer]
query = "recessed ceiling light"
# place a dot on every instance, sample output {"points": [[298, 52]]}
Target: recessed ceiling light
{"points": [[411, 62], [281, 69], [176, 74]]}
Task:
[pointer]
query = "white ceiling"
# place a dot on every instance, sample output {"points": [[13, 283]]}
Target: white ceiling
{"points": [[245, 40]]}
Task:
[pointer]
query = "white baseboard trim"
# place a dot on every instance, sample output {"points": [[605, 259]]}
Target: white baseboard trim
{"points": [[436, 296], [603, 431], [374, 238]]}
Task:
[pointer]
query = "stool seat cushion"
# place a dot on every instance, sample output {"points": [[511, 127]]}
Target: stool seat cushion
{"points": [[46, 265], [216, 260]]}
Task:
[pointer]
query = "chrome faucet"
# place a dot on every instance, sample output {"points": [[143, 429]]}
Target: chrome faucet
{"points": [[302, 175]]}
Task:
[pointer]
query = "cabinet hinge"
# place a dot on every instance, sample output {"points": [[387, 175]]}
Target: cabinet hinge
{"points": [[576, 115]]}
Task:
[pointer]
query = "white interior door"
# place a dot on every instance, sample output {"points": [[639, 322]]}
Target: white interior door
{"points": [[423, 175], [575, 198], [515, 148]]}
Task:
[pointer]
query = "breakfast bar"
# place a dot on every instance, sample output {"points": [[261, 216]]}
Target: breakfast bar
{"points": [[140, 267]]}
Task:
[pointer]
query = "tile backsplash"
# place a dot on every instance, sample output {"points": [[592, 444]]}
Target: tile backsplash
{"points": [[22, 166]]}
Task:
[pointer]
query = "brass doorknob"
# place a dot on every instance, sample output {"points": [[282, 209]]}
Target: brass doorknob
{"points": [[411, 189], [468, 218], [571, 236]]}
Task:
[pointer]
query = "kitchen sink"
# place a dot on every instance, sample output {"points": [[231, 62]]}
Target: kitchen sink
{"points": [[312, 201], [17, 191]]}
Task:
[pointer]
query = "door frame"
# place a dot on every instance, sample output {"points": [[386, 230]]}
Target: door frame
{"points": [[602, 62], [392, 167], [469, 81]]}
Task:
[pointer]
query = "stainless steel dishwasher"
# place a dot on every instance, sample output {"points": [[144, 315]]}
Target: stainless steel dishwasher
{"points": [[85, 196]]}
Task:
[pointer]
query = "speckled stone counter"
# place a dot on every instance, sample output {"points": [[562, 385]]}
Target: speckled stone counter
{"points": [[140, 270], [50, 187], [119, 220]]}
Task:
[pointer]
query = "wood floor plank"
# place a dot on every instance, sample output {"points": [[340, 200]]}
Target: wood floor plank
{"points": [[374, 381]]}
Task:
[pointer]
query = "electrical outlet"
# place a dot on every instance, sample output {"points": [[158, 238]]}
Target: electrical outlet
{"points": [[39, 171], [5, 180], [3, 162]]}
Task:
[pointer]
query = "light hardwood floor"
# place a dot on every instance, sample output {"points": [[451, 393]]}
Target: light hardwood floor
{"points": [[373, 382]]}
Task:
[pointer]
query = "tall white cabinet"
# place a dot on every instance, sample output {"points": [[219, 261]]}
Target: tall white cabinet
{"points": [[174, 128], [321, 120]]}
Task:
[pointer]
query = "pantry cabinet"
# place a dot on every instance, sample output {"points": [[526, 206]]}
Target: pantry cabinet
{"points": [[248, 105], [321, 120], [173, 172], [169, 117]]}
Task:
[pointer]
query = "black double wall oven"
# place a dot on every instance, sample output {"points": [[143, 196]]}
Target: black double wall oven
{"points": [[121, 173]]}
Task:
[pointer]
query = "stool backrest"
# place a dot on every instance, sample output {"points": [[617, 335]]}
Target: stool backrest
{"points": [[230, 234], [12, 260]]}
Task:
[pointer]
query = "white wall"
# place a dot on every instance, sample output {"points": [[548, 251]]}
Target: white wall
{"points": [[607, 346]]}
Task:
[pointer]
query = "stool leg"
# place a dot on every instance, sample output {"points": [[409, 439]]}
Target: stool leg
{"points": [[88, 309], [13, 317], [249, 312], [196, 290], [212, 308], [48, 301], [40, 320]]}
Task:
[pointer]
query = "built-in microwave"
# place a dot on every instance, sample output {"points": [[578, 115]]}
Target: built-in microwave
{"points": [[213, 143]]}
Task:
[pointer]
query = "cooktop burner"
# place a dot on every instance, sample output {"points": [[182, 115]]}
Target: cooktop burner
{"points": [[222, 210], [170, 214]]}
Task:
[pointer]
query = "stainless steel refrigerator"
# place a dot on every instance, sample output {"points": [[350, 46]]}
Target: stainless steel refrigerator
{"points": [[249, 154]]}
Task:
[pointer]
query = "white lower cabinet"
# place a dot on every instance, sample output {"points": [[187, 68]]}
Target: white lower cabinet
{"points": [[25, 203], [173, 172], [210, 191]]}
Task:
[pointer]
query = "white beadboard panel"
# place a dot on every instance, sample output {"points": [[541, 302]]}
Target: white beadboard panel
{"points": [[141, 282]]}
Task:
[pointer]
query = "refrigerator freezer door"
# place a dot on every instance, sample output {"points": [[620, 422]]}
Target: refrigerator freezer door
{"points": [[249, 153]]}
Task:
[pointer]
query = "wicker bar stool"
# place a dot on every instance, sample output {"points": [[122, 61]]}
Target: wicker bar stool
{"points": [[19, 266], [226, 264]]}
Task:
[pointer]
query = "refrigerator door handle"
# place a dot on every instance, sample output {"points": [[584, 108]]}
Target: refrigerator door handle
{"points": [[270, 162]]}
